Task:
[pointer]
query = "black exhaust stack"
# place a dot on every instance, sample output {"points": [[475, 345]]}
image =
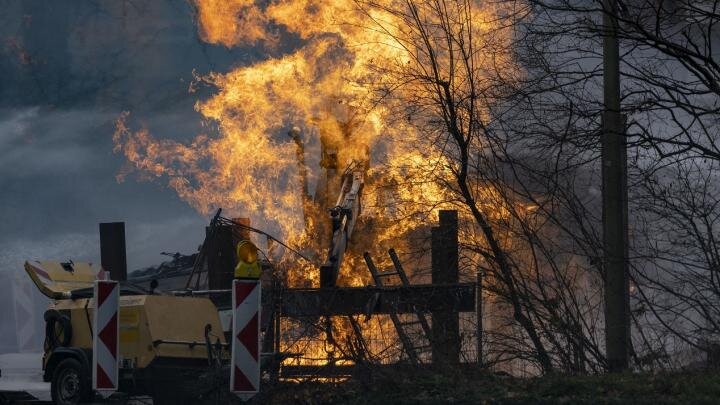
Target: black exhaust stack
{"points": [[112, 250]]}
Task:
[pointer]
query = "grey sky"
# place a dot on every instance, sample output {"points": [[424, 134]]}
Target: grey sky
{"points": [[68, 68]]}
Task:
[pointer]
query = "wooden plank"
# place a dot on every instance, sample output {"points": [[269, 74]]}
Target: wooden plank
{"points": [[113, 256], [445, 258], [297, 303], [221, 258]]}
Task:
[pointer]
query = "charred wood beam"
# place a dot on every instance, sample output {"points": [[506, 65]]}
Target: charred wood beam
{"points": [[112, 250], [445, 269], [298, 303], [220, 257]]}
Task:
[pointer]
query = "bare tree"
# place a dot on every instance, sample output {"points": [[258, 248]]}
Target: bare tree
{"points": [[513, 144], [670, 92]]}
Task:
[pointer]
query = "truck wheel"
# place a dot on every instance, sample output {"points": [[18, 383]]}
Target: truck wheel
{"points": [[70, 383]]}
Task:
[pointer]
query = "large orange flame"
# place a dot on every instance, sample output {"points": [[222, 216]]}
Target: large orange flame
{"points": [[326, 86], [344, 73], [334, 58]]}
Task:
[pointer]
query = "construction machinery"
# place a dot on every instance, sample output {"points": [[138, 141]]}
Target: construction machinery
{"points": [[171, 348], [343, 216]]}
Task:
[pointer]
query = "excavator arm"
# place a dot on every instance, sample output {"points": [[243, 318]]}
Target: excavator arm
{"points": [[344, 216]]}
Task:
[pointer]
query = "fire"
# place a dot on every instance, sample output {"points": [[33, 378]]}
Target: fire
{"points": [[329, 70], [230, 22]]}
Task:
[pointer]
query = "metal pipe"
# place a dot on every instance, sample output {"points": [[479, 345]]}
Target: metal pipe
{"points": [[197, 292]]}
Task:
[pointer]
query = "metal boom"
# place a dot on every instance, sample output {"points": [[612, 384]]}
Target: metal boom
{"points": [[344, 215]]}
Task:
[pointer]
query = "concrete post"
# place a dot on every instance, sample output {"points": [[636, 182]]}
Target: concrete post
{"points": [[614, 162]]}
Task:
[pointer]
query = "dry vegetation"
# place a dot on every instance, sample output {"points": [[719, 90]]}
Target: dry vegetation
{"points": [[415, 387]]}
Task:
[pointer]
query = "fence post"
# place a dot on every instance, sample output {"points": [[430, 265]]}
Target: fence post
{"points": [[445, 257]]}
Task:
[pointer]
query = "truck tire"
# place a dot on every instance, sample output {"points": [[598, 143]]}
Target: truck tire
{"points": [[70, 384]]}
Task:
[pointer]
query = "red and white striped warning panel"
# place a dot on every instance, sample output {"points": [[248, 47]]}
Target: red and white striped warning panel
{"points": [[105, 336], [245, 368]]}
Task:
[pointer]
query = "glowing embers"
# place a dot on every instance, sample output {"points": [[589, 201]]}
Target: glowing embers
{"points": [[309, 344]]}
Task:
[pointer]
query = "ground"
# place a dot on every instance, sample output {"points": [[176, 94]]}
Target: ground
{"points": [[412, 386], [487, 388], [22, 371]]}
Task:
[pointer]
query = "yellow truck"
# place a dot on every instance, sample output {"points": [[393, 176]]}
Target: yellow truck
{"points": [[171, 348]]}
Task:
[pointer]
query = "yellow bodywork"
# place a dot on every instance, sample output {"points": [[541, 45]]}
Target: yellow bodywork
{"points": [[57, 279], [147, 319]]}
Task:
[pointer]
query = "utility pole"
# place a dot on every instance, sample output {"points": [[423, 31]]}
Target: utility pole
{"points": [[614, 184]]}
